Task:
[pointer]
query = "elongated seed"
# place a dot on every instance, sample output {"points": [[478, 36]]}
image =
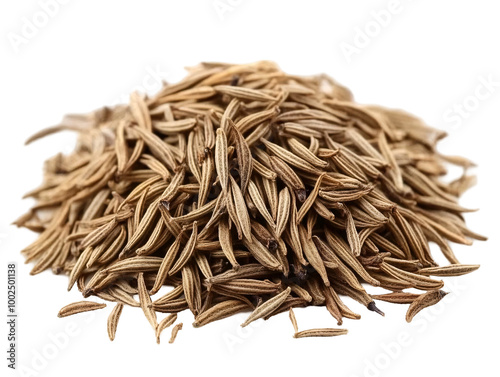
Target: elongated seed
{"points": [[267, 307], [164, 323], [145, 300], [284, 208], [79, 307], [241, 209], [425, 300], [324, 332], [293, 320], [175, 330], [219, 311], [221, 164], [451, 270], [113, 320]]}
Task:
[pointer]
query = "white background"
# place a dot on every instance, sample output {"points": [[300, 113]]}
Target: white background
{"points": [[425, 57]]}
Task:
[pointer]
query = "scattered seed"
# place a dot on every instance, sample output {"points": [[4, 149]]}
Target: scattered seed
{"points": [[425, 300], [175, 330], [79, 307], [113, 320], [320, 333]]}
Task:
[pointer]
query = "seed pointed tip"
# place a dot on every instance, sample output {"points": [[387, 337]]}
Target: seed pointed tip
{"points": [[443, 293], [123, 253], [371, 306], [165, 204]]}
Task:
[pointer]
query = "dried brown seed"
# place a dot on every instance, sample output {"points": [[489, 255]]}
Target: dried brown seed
{"points": [[79, 307], [267, 307], [312, 254], [289, 177], [262, 254], [164, 323], [293, 320], [187, 252], [284, 208], [451, 270], [145, 300], [241, 209], [257, 199], [425, 300], [219, 311], [397, 297], [325, 332], [175, 330], [221, 163], [113, 320]]}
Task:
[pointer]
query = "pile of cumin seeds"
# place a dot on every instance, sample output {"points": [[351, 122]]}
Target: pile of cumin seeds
{"points": [[247, 189]]}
